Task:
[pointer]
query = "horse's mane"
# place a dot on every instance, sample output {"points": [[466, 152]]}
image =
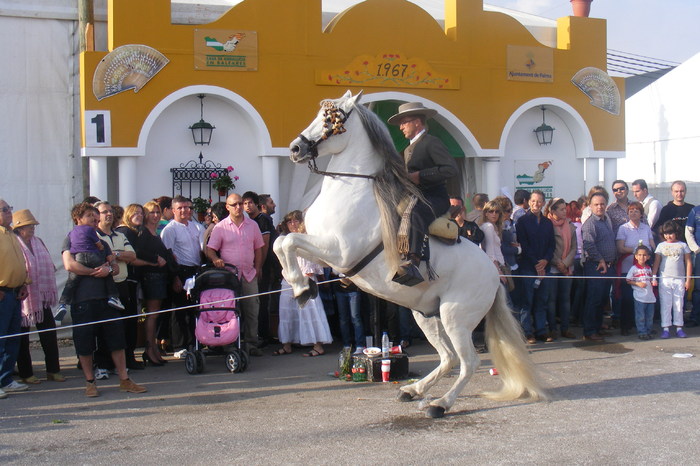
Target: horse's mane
{"points": [[391, 185]]}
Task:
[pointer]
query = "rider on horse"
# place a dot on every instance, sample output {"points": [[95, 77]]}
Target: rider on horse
{"points": [[429, 165]]}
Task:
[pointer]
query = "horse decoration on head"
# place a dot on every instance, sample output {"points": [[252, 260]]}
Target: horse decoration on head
{"points": [[352, 227]]}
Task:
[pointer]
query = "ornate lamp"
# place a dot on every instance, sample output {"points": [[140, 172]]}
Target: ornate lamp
{"points": [[201, 131], [544, 132]]}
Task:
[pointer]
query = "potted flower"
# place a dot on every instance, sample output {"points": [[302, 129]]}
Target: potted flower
{"points": [[200, 205], [224, 182]]}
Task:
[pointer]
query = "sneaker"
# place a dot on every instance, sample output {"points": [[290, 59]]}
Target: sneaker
{"points": [[665, 335], [3, 395], [101, 374], [91, 389], [643, 336], [60, 312], [129, 386], [359, 350], [115, 303], [680, 333], [15, 386], [180, 354]]}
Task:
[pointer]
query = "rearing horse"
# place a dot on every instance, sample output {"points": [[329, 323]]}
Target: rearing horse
{"points": [[355, 215]]}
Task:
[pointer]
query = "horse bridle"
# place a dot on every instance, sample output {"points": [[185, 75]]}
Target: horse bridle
{"points": [[334, 123]]}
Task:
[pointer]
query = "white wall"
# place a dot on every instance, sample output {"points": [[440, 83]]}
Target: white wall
{"points": [[662, 129], [170, 143]]}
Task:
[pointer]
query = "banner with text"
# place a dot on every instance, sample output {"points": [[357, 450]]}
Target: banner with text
{"points": [[225, 50], [535, 64]]}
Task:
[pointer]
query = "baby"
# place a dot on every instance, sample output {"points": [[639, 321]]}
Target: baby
{"points": [[89, 251]]}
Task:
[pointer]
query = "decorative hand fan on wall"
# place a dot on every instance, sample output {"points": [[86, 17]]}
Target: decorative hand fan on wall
{"points": [[600, 87], [126, 67]]}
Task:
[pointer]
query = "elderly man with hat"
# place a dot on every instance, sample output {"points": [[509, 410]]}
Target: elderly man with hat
{"points": [[41, 296], [13, 280], [429, 166]]}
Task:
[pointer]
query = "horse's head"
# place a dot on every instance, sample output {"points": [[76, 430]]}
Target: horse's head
{"points": [[330, 121]]}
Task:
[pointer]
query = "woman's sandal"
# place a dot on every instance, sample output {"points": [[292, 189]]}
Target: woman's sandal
{"points": [[281, 352], [313, 353]]}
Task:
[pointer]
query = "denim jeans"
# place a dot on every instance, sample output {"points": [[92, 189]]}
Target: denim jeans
{"points": [[695, 315], [534, 302], [596, 291], [349, 310], [644, 317], [10, 323], [559, 303]]}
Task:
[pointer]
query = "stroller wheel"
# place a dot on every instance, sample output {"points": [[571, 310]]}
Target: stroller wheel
{"points": [[244, 360], [199, 356], [191, 365], [233, 362]]}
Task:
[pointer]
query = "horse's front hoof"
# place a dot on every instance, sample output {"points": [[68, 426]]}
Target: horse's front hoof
{"points": [[435, 412], [310, 293], [404, 397]]}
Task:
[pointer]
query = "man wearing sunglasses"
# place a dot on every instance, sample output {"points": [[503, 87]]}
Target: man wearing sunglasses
{"points": [[237, 240], [617, 211]]}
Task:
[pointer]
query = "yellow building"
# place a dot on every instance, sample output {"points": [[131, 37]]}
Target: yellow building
{"points": [[264, 66]]}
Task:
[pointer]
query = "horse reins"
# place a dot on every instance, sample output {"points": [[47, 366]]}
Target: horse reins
{"points": [[335, 119]]}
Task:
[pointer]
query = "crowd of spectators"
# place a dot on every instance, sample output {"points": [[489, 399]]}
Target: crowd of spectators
{"points": [[620, 248]]}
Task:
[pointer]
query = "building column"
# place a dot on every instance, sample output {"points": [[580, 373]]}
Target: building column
{"points": [[98, 177], [609, 172], [127, 181], [271, 177], [492, 176], [592, 173]]}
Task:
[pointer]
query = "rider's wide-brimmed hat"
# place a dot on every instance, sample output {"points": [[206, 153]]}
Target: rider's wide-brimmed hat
{"points": [[22, 218], [410, 109]]}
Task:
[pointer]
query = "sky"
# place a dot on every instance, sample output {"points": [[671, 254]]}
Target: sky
{"points": [[665, 29]]}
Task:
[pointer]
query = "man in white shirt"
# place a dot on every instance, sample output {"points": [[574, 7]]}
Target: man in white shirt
{"points": [[652, 206], [184, 237]]}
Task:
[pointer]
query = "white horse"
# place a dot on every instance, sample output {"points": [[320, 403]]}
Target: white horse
{"points": [[355, 214]]}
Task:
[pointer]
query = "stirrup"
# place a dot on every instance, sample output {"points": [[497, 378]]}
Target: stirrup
{"points": [[411, 276]]}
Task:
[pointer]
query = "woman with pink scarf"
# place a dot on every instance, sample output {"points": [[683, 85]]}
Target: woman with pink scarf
{"points": [[561, 265], [36, 309]]}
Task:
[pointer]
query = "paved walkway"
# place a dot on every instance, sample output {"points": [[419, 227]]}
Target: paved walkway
{"points": [[623, 402]]}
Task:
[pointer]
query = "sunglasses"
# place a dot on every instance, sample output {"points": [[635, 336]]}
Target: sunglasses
{"points": [[618, 190]]}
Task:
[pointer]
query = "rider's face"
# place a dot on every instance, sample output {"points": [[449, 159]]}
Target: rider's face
{"points": [[410, 126]]}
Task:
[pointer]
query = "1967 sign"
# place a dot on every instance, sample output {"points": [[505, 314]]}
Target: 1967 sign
{"points": [[388, 70]]}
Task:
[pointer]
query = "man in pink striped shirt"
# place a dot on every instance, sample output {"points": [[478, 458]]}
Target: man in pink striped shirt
{"points": [[237, 240]]}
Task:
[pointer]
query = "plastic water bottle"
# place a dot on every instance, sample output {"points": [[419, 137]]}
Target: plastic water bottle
{"points": [[385, 345]]}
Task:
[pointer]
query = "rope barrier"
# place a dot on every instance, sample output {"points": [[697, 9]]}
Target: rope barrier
{"points": [[146, 314], [163, 311]]}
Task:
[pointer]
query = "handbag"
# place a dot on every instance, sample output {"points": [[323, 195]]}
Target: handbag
{"points": [[505, 270]]}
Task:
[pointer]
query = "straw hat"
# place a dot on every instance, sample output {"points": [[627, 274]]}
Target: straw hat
{"points": [[409, 109], [22, 218]]}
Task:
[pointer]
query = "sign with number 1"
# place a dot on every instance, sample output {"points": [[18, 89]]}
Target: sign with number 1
{"points": [[98, 128]]}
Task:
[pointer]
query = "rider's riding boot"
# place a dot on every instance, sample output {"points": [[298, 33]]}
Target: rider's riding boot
{"points": [[408, 273]]}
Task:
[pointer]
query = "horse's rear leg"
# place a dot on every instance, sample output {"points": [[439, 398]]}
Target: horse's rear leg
{"points": [[435, 333], [459, 333]]}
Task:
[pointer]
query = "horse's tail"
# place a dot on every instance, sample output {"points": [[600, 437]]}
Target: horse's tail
{"points": [[506, 344]]}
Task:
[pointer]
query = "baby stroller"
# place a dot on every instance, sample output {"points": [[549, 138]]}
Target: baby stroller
{"points": [[218, 324]]}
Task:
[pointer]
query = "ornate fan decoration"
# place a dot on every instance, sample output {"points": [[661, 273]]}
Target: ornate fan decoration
{"points": [[126, 67], [600, 87]]}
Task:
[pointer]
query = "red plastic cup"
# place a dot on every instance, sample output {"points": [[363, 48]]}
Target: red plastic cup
{"points": [[386, 369], [493, 371], [396, 349]]}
